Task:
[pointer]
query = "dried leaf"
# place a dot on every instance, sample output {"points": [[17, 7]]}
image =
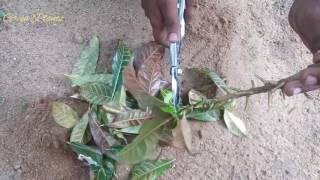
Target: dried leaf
{"points": [[100, 134], [79, 80], [148, 68], [143, 144], [130, 118], [120, 60], [234, 124], [87, 63], [151, 170], [96, 93], [183, 135], [64, 115], [80, 131]]}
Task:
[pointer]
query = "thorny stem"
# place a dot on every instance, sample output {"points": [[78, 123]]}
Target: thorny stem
{"points": [[269, 87]]}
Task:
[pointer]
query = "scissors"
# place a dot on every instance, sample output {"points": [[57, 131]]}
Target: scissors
{"points": [[175, 56]]}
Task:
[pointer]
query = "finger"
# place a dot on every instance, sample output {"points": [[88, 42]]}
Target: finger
{"points": [[316, 57], [158, 28], [168, 10], [189, 10], [310, 76], [293, 88]]}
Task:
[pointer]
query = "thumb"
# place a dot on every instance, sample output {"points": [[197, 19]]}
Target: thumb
{"points": [[169, 11], [316, 57]]}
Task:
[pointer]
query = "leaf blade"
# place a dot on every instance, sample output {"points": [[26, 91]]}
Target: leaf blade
{"points": [[149, 170], [120, 60], [64, 115], [96, 93], [234, 124], [88, 59], [79, 80], [143, 144], [79, 132], [100, 135]]}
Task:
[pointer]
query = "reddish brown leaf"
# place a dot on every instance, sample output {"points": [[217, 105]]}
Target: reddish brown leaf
{"points": [[100, 134], [148, 68]]}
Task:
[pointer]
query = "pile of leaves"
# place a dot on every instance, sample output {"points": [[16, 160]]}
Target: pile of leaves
{"points": [[130, 111]]}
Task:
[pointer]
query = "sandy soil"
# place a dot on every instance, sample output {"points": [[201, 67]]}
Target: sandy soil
{"points": [[237, 38]]}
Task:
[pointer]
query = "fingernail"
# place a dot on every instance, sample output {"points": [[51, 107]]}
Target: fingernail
{"points": [[297, 91], [173, 37], [311, 80]]}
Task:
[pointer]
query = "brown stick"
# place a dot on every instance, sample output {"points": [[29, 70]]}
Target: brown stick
{"points": [[268, 87]]}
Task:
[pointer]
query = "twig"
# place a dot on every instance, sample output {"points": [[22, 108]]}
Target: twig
{"points": [[269, 87]]}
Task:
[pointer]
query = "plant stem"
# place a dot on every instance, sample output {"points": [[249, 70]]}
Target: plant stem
{"points": [[269, 87]]}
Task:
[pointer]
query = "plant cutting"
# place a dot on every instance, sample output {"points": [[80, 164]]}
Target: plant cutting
{"points": [[131, 110]]}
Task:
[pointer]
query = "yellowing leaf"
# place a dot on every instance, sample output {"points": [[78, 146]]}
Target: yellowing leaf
{"points": [[234, 124], [64, 115]]}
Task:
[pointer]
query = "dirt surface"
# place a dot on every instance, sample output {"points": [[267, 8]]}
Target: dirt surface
{"points": [[237, 38]]}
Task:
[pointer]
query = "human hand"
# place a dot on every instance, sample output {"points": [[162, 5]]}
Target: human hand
{"points": [[304, 18], [164, 19]]}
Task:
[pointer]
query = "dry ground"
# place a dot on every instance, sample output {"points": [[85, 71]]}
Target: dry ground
{"points": [[237, 38]]}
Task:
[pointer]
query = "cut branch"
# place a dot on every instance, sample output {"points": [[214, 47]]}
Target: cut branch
{"points": [[268, 87]]}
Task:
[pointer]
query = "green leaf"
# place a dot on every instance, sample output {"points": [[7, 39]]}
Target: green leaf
{"points": [[24, 104], [216, 79], [87, 63], [64, 115], [143, 144], [130, 118], [96, 93], [207, 116], [234, 124], [79, 80], [87, 151], [2, 100], [167, 96], [131, 130], [120, 60], [2, 14], [151, 170], [80, 131]]}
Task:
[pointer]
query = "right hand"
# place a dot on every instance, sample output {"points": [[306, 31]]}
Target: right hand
{"points": [[304, 18], [164, 19]]}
